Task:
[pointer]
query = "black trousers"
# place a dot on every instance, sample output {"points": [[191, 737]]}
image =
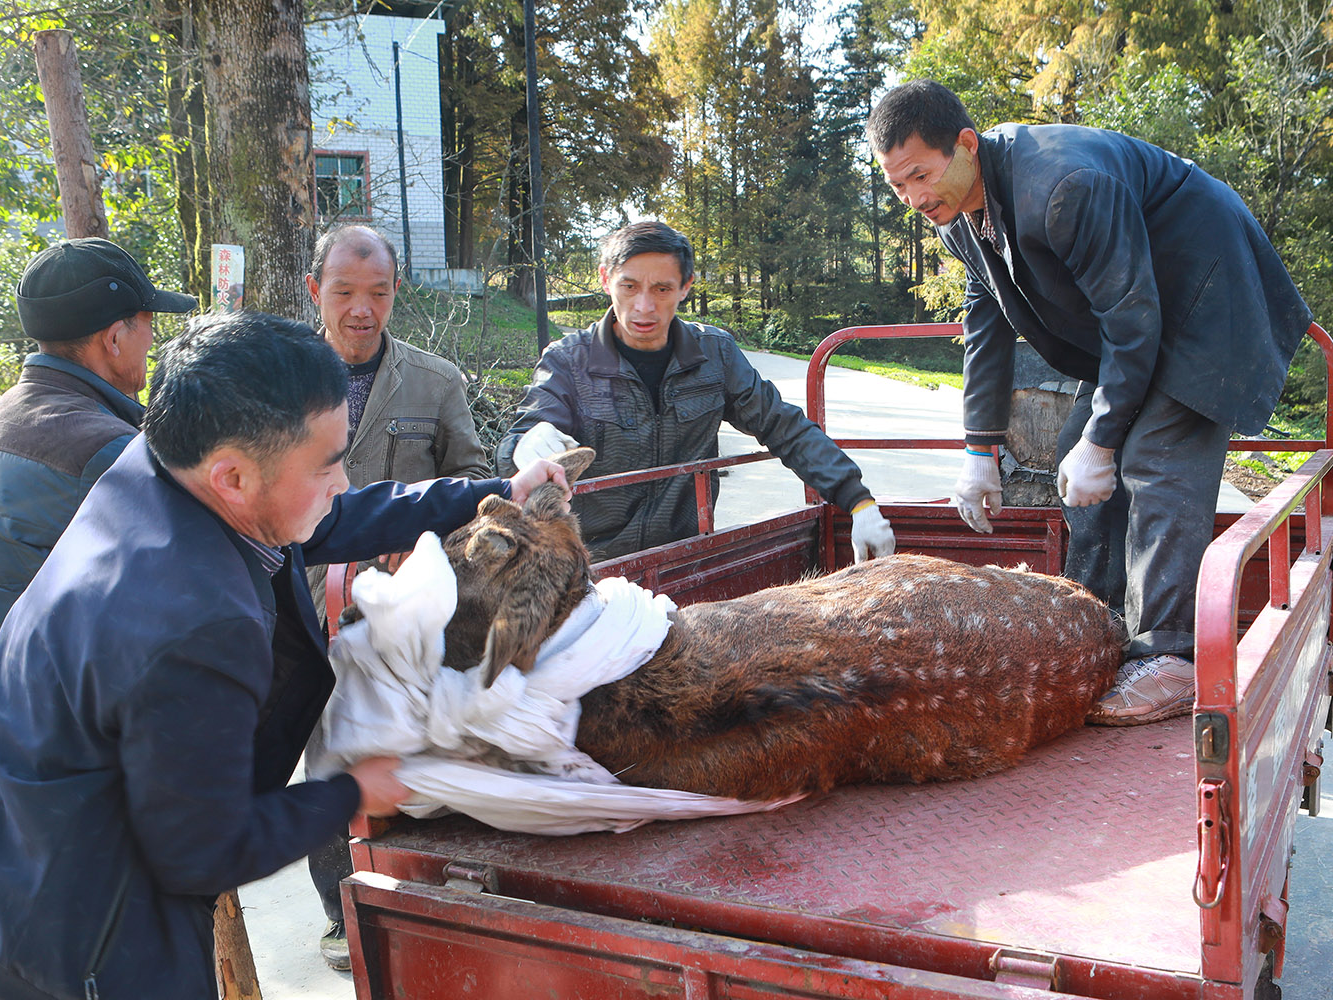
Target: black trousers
{"points": [[1140, 550], [332, 863], [328, 866]]}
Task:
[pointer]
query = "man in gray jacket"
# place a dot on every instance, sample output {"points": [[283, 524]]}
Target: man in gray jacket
{"points": [[1136, 272], [409, 421], [89, 306], [646, 389], [409, 413]]}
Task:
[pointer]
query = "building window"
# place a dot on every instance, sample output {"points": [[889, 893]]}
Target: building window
{"points": [[341, 185]]}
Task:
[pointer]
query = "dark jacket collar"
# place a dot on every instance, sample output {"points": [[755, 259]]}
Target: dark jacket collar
{"points": [[128, 409], [260, 576], [604, 359]]}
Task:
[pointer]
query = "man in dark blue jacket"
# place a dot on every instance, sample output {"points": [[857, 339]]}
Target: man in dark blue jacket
{"points": [[1134, 271], [161, 674]]}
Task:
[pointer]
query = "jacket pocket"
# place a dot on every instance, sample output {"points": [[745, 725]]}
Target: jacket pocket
{"points": [[1184, 316], [695, 400], [410, 454]]}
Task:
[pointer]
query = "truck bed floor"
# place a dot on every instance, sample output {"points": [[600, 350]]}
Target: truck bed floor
{"points": [[1085, 849]]}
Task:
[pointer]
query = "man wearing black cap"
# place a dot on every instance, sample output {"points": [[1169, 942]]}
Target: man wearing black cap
{"points": [[89, 306]]}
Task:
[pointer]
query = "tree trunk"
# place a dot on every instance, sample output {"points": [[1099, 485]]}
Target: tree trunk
{"points": [[522, 280], [458, 139], [185, 106], [735, 255], [260, 170], [450, 162], [878, 268], [703, 253], [919, 258], [467, 151], [71, 139]]}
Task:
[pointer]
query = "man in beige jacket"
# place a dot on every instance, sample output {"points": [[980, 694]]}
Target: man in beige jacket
{"points": [[409, 421]]}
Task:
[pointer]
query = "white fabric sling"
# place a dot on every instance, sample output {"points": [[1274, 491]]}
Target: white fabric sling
{"points": [[504, 755]]}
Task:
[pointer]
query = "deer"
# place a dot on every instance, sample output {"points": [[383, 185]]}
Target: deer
{"points": [[907, 668]]}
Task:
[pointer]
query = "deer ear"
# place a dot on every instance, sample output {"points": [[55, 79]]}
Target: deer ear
{"points": [[575, 462], [489, 545], [523, 620], [547, 502], [508, 642]]}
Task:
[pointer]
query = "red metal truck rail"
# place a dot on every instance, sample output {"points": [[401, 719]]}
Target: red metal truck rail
{"points": [[1262, 702]]}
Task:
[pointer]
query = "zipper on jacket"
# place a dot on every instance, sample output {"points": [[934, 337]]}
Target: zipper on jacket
{"points": [[104, 938], [392, 430]]}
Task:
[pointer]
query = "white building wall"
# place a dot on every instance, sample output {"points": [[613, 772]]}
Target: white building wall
{"points": [[352, 105]]}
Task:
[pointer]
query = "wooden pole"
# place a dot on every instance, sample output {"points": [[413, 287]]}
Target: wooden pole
{"points": [[235, 962], [71, 140]]}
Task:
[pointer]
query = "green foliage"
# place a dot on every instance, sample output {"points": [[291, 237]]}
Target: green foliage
{"points": [[728, 124], [474, 332], [1162, 106]]}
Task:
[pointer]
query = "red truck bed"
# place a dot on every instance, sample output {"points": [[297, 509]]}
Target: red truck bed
{"points": [[1086, 851], [1147, 862]]}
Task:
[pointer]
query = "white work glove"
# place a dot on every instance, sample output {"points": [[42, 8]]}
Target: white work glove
{"points": [[541, 441], [978, 491], [871, 534], [1087, 475]]}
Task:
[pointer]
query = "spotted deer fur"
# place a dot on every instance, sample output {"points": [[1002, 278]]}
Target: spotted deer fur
{"points": [[903, 669]]}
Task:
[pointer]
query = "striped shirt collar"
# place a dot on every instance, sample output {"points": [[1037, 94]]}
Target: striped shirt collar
{"points": [[982, 222], [269, 557]]}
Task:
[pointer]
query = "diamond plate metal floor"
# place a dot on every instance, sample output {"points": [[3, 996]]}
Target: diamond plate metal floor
{"points": [[1086, 848]]}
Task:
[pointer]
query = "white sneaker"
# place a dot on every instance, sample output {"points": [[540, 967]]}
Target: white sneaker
{"points": [[1147, 689]]}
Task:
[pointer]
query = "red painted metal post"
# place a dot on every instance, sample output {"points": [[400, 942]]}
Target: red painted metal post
{"points": [[1279, 565], [703, 502], [1314, 525]]}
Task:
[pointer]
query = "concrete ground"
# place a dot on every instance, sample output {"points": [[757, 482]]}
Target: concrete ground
{"points": [[284, 917]]}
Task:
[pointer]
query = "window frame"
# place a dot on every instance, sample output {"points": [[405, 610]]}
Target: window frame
{"points": [[364, 154]]}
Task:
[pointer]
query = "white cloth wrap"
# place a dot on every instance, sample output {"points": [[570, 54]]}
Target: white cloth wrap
{"points": [[505, 754]]}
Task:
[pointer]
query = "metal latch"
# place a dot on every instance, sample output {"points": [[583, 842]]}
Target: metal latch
{"points": [[1210, 879], [1212, 738], [1271, 932], [468, 876], [1031, 969], [1314, 760], [1310, 769]]}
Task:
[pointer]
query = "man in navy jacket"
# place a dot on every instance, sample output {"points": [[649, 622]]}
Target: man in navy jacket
{"points": [[1134, 271], [161, 674]]}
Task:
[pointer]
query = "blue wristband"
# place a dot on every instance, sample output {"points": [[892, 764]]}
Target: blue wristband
{"points": [[973, 451]]}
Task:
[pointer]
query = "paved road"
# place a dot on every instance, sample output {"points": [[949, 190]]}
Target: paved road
{"points": [[285, 920]]}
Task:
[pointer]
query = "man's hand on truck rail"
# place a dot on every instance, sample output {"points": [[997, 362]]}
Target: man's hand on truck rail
{"points": [[1087, 475], [871, 534], [381, 791], [978, 490]]}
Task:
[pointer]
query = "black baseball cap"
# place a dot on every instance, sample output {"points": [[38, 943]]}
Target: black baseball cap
{"points": [[78, 287]]}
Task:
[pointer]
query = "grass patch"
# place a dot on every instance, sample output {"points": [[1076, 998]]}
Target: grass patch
{"points": [[476, 335], [1277, 465], [580, 319], [513, 378]]}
